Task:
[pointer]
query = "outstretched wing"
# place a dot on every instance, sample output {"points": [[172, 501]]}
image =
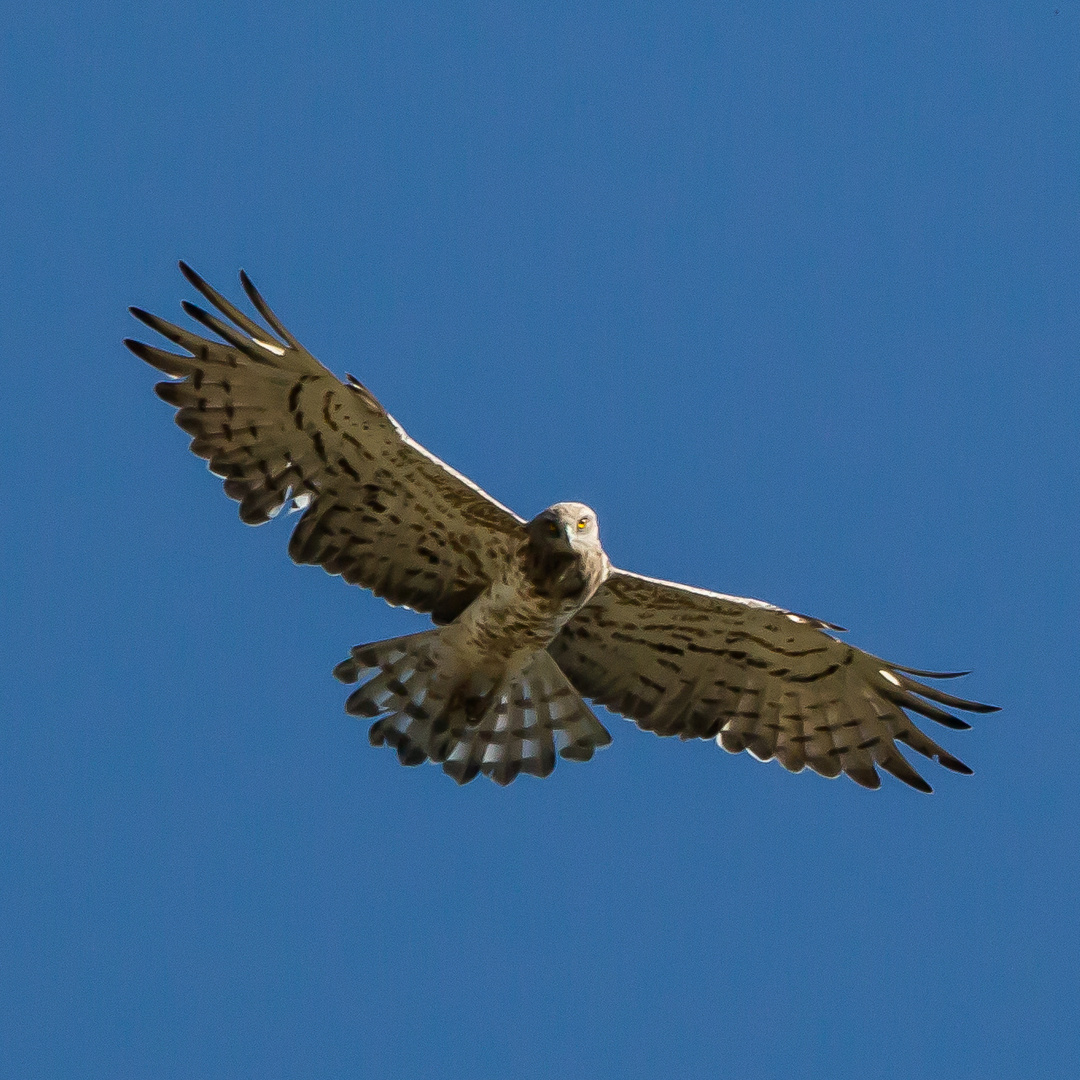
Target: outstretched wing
{"points": [[687, 662], [280, 428]]}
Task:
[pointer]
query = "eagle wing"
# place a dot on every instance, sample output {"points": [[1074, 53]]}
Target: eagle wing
{"points": [[281, 429], [697, 664]]}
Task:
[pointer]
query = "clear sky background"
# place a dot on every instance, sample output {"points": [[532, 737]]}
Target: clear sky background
{"points": [[789, 293]]}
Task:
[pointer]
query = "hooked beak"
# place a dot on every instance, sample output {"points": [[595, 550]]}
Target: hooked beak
{"points": [[561, 534]]}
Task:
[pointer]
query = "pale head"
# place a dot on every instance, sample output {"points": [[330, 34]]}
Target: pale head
{"points": [[570, 526]]}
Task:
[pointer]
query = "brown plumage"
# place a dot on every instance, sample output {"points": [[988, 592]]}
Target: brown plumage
{"points": [[530, 616]]}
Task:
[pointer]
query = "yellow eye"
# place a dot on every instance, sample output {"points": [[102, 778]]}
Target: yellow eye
{"points": [[553, 529], [582, 523]]}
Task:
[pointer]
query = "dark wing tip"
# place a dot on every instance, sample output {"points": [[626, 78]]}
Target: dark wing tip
{"points": [[944, 718], [866, 777], [933, 694], [249, 287], [264, 309], [955, 764], [930, 674], [197, 281]]}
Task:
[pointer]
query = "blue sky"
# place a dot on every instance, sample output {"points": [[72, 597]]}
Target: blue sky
{"points": [[788, 293]]}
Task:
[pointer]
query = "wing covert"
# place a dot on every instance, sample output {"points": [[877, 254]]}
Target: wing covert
{"points": [[688, 662], [379, 509]]}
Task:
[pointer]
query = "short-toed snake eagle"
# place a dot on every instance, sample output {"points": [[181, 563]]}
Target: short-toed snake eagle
{"points": [[531, 617]]}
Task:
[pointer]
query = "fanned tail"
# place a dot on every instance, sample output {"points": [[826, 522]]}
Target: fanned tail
{"points": [[468, 723]]}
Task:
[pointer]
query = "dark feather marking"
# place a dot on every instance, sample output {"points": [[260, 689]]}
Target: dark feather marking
{"points": [[742, 635], [327, 398], [357, 444], [823, 674], [655, 646], [695, 648]]}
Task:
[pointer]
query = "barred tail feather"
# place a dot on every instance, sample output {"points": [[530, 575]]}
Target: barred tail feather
{"points": [[397, 678], [534, 716], [468, 723]]}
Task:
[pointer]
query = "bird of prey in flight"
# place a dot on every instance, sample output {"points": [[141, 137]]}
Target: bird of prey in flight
{"points": [[530, 617]]}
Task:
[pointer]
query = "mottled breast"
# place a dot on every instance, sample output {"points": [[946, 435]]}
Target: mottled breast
{"points": [[566, 578]]}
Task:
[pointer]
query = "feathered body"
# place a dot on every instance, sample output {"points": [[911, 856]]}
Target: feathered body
{"points": [[555, 571], [482, 694]]}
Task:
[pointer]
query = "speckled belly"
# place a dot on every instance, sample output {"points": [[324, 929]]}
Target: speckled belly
{"points": [[509, 623]]}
